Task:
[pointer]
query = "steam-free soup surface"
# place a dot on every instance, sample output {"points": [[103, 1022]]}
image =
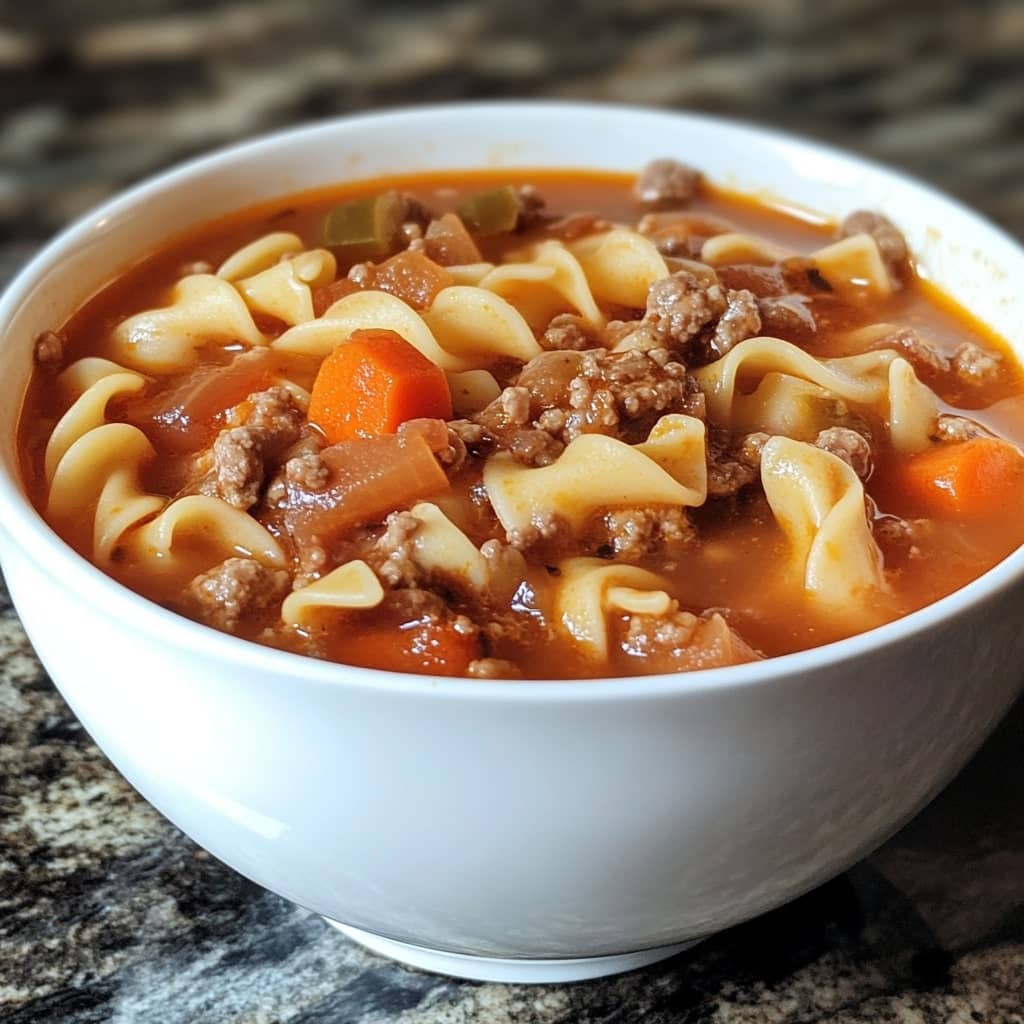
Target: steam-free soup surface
{"points": [[544, 424]]}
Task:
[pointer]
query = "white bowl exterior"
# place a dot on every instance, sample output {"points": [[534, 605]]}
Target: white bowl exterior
{"points": [[529, 820]]}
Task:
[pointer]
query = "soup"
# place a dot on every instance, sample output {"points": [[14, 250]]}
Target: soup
{"points": [[530, 425]]}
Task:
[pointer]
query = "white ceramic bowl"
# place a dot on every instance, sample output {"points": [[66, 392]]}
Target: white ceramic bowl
{"points": [[516, 830]]}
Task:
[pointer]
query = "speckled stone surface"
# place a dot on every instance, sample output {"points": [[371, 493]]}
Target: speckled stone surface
{"points": [[107, 913]]}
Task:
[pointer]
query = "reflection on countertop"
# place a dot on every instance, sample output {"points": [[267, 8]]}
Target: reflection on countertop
{"points": [[108, 912]]}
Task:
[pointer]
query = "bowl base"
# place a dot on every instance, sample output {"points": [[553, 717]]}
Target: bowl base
{"points": [[508, 970]]}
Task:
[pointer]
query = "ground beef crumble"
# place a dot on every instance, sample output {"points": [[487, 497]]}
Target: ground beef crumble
{"points": [[892, 246], [236, 467], [732, 466], [848, 445], [49, 350], [925, 357], [648, 632], [974, 365], [568, 331], [666, 182], [531, 206], [545, 527], [634, 533], [898, 539], [787, 317], [680, 307], [308, 471], [741, 320], [751, 447], [701, 319], [234, 590], [393, 553], [561, 395], [954, 429]]}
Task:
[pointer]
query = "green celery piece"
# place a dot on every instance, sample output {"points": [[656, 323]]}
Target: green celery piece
{"points": [[492, 212], [368, 226]]}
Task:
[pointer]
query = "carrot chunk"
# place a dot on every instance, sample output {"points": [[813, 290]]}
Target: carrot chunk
{"points": [[385, 641], [978, 479], [432, 647], [372, 384]]}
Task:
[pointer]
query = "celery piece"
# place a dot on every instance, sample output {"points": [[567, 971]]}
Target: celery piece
{"points": [[366, 227], [491, 212]]}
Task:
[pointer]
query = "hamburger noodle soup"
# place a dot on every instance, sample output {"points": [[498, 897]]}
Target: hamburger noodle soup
{"points": [[530, 425]]}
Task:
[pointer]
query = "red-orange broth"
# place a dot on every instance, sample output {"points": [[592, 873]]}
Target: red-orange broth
{"points": [[729, 556]]}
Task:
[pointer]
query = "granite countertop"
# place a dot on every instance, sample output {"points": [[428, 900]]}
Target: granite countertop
{"points": [[108, 913]]}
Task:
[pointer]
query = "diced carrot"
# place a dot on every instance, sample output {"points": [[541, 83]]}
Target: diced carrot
{"points": [[372, 384], [412, 277], [433, 647], [977, 479]]}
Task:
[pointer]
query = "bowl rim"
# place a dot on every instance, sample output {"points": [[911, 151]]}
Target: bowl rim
{"points": [[25, 526]]}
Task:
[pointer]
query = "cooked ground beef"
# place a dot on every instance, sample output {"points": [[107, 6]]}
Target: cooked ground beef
{"points": [[787, 317], [741, 320], [924, 356], [666, 183], [577, 225], [680, 307], [393, 552], [681, 640], [515, 406], [897, 537], [679, 241], [236, 589], [531, 206], [453, 456], [473, 436], [237, 474], [974, 365], [634, 533], [534, 447], [637, 334], [567, 331], [953, 429], [237, 465], [506, 569], [561, 395], [891, 244], [647, 634], [308, 471], [751, 448], [727, 476], [49, 350], [546, 527], [681, 235], [729, 471], [699, 318], [849, 446]]}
